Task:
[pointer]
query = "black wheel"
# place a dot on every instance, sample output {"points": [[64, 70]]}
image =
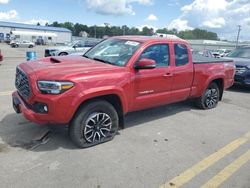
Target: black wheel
{"points": [[95, 123], [63, 53], [30, 46], [210, 97]]}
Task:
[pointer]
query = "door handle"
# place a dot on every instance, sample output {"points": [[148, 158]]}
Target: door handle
{"points": [[168, 74]]}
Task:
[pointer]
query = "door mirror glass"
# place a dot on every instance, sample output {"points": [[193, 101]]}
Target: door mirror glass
{"points": [[145, 63]]}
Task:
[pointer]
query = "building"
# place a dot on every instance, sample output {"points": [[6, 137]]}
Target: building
{"points": [[18, 31], [211, 44]]}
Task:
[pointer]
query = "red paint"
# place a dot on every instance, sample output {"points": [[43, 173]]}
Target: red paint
{"points": [[137, 89]]}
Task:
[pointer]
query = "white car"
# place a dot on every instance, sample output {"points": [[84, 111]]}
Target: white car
{"points": [[78, 47], [24, 44], [223, 52]]}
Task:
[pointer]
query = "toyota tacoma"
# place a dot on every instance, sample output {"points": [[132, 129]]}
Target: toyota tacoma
{"points": [[92, 93]]}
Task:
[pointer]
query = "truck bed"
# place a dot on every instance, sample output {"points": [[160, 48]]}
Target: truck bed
{"points": [[198, 59]]}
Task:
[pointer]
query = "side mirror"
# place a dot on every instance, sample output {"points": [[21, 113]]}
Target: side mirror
{"points": [[145, 64]]}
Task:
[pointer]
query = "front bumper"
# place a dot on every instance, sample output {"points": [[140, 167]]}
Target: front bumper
{"points": [[20, 107], [242, 79], [57, 114]]}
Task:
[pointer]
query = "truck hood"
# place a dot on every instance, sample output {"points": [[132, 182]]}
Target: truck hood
{"points": [[67, 68], [239, 61]]}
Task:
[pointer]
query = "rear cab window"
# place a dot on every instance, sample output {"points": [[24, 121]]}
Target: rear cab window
{"points": [[181, 54]]}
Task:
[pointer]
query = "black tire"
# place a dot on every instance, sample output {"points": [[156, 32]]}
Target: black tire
{"points": [[91, 123], [210, 97], [62, 54], [30, 46]]}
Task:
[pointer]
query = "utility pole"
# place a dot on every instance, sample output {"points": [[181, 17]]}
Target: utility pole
{"points": [[95, 31], [124, 29], [238, 35]]}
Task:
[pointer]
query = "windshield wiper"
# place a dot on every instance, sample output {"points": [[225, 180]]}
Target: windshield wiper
{"points": [[104, 61]]}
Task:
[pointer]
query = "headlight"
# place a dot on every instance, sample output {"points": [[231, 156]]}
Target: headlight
{"points": [[53, 87]]}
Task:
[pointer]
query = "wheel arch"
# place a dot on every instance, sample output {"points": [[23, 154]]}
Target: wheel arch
{"points": [[113, 99], [220, 83], [63, 53]]}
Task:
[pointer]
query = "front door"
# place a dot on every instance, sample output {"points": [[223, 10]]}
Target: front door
{"points": [[152, 87]]}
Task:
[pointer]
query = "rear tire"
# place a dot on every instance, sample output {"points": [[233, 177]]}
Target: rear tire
{"points": [[96, 122], [210, 97], [30, 46]]}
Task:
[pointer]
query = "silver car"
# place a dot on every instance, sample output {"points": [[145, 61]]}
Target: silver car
{"points": [[71, 48], [23, 44]]}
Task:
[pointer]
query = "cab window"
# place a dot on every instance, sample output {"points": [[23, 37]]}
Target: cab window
{"points": [[157, 52], [181, 54]]}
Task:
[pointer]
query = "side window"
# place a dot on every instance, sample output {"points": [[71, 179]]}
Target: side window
{"points": [[181, 54], [157, 52], [80, 44]]}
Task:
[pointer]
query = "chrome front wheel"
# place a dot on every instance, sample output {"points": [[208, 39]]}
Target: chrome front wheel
{"points": [[98, 126]]}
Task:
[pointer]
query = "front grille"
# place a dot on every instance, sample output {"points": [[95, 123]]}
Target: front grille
{"points": [[240, 70], [22, 84]]}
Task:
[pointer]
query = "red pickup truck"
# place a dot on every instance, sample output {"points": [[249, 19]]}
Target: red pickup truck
{"points": [[92, 93]]}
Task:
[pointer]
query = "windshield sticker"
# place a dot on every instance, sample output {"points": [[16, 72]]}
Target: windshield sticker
{"points": [[132, 43]]}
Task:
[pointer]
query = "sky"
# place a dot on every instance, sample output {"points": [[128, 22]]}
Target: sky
{"points": [[220, 16]]}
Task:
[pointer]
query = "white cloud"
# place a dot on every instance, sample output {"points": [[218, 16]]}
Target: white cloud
{"points": [[12, 14], [179, 24], [220, 16], [114, 7], [205, 5], [151, 17], [35, 21], [143, 2], [214, 23], [4, 1]]}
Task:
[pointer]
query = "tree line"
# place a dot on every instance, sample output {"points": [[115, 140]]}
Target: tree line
{"points": [[107, 30]]}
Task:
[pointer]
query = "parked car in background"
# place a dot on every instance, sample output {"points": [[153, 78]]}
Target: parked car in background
{"points": [[23, 44], [221, 53], [78, 47], [1, 56], [205, 53], [241, 57], [40, 41], [216, 54], [93, 92]]}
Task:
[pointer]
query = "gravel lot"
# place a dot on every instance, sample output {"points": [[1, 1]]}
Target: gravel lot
{"points": [[156, 145]]}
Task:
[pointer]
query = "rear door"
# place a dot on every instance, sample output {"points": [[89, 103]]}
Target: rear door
{"points": [[152, 86], [182, 73]]}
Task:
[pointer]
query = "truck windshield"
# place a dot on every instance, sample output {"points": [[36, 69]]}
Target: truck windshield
{"points": [[240, 53], [113, 51]]}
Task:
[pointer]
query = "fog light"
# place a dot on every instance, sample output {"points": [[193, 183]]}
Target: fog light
{"points": [[45, 108], [40, 108]]}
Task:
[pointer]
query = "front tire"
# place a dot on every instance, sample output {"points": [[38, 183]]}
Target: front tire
{"points": [[95, 123], [210, 97]]}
